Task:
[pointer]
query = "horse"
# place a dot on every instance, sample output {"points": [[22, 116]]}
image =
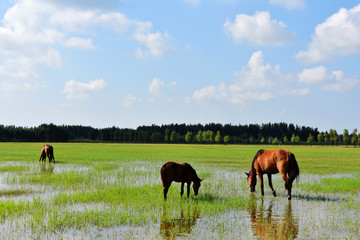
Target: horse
{"points": [[47, 151], [179, 172], [271, 162]]}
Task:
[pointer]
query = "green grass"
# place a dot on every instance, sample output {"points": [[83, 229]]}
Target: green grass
{"points": [[101, 186], [336, 185]]}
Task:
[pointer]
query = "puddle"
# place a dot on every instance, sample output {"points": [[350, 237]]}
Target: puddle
{"points": [[309, 215], [178, 224], [270, 223]]}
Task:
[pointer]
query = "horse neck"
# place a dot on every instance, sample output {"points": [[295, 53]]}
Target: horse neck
{"points": [[194, 176]]}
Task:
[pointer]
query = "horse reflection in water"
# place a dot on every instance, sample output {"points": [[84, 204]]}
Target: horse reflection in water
{"points": [[172, 228], [269, 225], [46, 168]]}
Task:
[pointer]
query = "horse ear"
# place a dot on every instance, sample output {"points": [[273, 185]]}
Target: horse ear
{"points": [[202, 179], [247, 174]]}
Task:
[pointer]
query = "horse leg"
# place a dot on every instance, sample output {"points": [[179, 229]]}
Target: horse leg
{"points": [[182, 189], [270, 184], [261, 183], [188, 188], [287, 185], [166, 188]]}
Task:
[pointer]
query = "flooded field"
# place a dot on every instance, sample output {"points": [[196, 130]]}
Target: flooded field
{"points": [[121, 198]]}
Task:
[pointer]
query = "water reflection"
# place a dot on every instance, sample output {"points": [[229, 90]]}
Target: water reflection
{"points": [[268, 224], [46, 167], [181, 225]]}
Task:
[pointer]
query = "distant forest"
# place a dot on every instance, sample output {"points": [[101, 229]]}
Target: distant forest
{"points": [[212, 133]]}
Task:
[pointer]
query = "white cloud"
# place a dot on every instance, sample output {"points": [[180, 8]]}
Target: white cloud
{"points": [[255, 82], [289, 4], [130, 100], [32, 31], [331, 81], [156, 86], [80, 43], [211, 93], [77, 90], [139, 53], [259, 29], [314, 75], [157, 43], [339, 35]]}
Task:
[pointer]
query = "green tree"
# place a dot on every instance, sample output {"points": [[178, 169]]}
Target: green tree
{"points": [[173, 137], [167, 135], [275, 141], [199, 137], [211, 136], [157, 137], [218, 137], [285, 140], [334, 138], [346, 137], [293, 139], [320, 138], [354, 137], [326, 138], [204, 137], [226, 139], [189, 137], [310, 140]]}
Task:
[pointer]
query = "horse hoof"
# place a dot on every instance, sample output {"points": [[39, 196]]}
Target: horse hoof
{"points": [[274, 193], [289, 197]]}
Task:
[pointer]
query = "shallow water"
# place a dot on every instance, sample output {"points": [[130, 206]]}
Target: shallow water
{"points": [[308, 215]]}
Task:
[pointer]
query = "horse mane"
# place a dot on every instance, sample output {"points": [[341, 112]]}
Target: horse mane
{"points": [[261, 151], [192, 171]]}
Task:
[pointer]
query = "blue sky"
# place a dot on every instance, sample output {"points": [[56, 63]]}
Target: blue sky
{"points": [[129, 63]]}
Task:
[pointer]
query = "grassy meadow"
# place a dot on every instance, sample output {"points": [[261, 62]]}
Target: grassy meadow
{"points": [[114, 191]]}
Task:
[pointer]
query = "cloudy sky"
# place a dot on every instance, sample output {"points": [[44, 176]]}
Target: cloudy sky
{"points": [[125, 63]]}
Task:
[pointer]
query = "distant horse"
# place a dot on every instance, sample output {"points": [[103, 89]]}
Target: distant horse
{"points": [[179, 172], [47, 151], [271, 162]]}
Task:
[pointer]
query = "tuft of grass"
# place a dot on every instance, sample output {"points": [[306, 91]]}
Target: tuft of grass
{"points": [[335, 185], [10, 168], [14, 192], [105, 166]]}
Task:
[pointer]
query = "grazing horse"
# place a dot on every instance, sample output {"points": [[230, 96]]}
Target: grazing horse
{"points": [[179, 172], [47, 151], [271, 162]]}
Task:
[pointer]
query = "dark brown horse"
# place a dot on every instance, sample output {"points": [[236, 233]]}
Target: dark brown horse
{"points": [[47, 151], [271, 162], [179, 172]]}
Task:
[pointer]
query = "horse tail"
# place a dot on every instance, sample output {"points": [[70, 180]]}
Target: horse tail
{"points": [[163, 173], [294, 169]]}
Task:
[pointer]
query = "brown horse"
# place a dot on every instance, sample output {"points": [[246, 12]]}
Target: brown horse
{"points": [[47, 151], [179, 172], [271, 162]]}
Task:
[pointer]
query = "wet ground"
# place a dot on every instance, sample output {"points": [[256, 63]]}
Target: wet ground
{"points": [[306, 216]]}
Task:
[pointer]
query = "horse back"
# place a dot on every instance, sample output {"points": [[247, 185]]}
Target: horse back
{"points": [[177, 172], [49, 150], [273, 161]]}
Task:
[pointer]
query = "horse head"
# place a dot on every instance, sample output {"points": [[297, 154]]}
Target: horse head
{"points": [[196, 186], [251, 176]]}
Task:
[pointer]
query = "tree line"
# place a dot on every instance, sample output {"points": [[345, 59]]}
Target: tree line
{"points": [[212, 133]]}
